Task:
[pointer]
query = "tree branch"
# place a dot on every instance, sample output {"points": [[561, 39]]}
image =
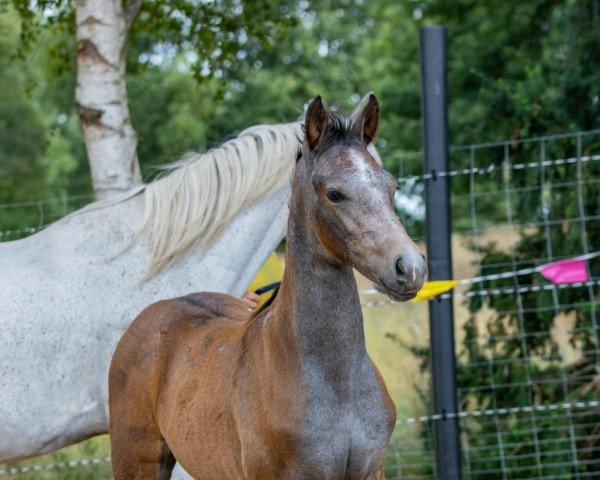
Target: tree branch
{"points": [[131, 11]]}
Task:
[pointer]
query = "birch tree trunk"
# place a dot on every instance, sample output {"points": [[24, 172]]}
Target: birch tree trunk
{"points": [[102, 28]]}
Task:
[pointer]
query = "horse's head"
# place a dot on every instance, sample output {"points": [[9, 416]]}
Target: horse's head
{"points": [[348, 197]]}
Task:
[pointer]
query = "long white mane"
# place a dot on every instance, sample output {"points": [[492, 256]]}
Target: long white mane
{"points": [[203, 191]]}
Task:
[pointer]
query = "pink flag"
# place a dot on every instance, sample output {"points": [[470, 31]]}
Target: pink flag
{"points": [[566, 271]]}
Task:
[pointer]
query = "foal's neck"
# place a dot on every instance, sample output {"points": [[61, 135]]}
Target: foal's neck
{"points": [[324, 308]]}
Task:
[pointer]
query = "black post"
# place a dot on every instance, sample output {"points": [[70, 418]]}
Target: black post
{"points": [[441, 322]]}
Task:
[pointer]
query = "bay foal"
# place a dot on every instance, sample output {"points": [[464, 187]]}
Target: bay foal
{"points": [[289, 391]]}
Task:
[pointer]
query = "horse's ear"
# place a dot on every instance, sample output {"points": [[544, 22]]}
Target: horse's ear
{"points": [[315, 123], [365, 118]]}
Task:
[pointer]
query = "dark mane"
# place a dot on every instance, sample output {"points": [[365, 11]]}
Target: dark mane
{"points": [[339, 129]]}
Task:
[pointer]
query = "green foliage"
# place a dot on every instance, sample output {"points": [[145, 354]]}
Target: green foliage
{"points": [[36, 158], [522, 64], [58, 15], [220, 33]]}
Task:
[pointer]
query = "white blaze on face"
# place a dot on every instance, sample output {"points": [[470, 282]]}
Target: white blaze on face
{"points": [[360, 163]]}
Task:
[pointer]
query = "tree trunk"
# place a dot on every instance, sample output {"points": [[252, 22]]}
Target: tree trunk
{"points": [[101, 96]]}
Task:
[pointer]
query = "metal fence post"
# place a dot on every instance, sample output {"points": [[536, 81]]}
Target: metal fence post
{"points": [[441, 321]]}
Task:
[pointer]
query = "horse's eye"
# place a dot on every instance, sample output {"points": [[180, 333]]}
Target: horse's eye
{"points": [[335, 196]]}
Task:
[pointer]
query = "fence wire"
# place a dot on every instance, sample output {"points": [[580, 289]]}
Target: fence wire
{"points": [[528, 351]]}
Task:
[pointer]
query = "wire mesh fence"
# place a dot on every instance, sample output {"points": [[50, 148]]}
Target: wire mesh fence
{"points": [[523, 342], [528, 350]]}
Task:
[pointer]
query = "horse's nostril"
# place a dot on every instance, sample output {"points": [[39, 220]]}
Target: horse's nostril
{"points": [[400, 271]]}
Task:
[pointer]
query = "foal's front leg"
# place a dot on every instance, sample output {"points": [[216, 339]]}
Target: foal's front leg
{"points": [[138, 449], [145, 456]]}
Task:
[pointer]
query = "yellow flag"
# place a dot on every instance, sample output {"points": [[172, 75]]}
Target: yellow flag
{"points": [[433, 289], [271, 271]]}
